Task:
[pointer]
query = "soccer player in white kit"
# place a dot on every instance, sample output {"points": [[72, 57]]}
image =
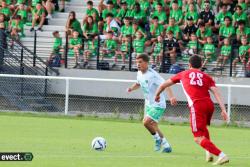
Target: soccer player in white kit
{"points": [[149, 80]]}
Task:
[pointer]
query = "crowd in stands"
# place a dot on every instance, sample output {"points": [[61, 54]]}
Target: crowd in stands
{"points": [[210, 28]]}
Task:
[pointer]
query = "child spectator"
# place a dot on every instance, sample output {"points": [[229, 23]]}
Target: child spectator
{"points": [[124, 50], [109, 48], [239, 14], [73, 24], [243, 54], [203, 33], [242, 30], [138, 44], [172, 47], [38, 17], [57, 47], [111, 25], [157, 52], [21, 11], [136, 28], [139, 15], [160, 13], [123, 13], [16, 29], [192, 46], [126, 28], [224, 54], [226, 30], [156, 29], [90, 29], [209, 51], [174, 28], [75, 45], [176, 13], [91, 11], [89, 51], [110, 9], [5, 10]]}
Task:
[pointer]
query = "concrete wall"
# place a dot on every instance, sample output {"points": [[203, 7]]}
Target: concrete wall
{"points": [[116, 89]]}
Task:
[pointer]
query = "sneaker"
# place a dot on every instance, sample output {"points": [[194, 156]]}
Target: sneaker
{"points": [[157, 145], [123, 67], [113, 65], [85, 64], [62, 10], [32, 29], [49, 16], [222, 160], [76, 65], [209, 157], [167, 150], [40, 29]]}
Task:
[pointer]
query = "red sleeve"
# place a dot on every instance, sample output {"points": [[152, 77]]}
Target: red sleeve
{"points": [[211, 82], [176, 78]]}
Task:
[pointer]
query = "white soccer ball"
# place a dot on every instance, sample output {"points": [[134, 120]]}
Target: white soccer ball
{"points": [[99, 143]]}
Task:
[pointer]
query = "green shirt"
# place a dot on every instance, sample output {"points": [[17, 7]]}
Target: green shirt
{"points": [[138, 29], [226, 31], [139, 15], [23, 14], [35, 2], [75, 25], [220, 17], [75, 41], [139, 45], [157, 31], [125, 46], [161, 16], [193, 45], [38, 12], [237, 17], [106, 11], [111, 44], [243, 5], [126, 30], [176, 14], [21, 1], [245, 32], [144, 4], [175, 29], [209, 48], [57, 43], [207, 33], [8, 2], [243, 49], [158, 48], [20, 25], [194, 14], [92, 30], [6, 11], [226, 50], [93, 11]]}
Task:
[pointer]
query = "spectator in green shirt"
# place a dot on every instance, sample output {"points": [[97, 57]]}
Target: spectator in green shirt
{"points": [[126, 29], [50, 8], [138, 44], [242, 4], [139, 15], [57, 46], [203, 32], [111, 25], [224, 54], [38, 17], [123, 12], [90, 29], [136, 28], [192, 13], [73, 24], [144, 4], [5, 10], [156, 29], [157, 52], [221, 15], [91, 11], [75, 45], [192, 46], [242, 31], [174, 28], [110, 9], [124, 50], [21, 11], [239, 14], [243, 54], [109, 48], [226, 31], [16, 29], [176, 13], [160, 14], [209, 51]]}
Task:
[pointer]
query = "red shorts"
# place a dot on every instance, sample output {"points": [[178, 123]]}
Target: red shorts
{"points": [[200, 116]]}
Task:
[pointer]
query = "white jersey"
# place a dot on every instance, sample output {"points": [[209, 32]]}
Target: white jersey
{"points": [[149, 82]]}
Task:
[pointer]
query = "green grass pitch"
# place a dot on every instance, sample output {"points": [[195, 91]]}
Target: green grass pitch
{"points": [[66, 142]]}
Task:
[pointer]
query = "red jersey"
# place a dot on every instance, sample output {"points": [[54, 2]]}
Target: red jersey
{"points": [[195, 84]]}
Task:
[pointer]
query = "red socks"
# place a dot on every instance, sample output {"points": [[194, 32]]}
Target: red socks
{"points": [[209, 146]]}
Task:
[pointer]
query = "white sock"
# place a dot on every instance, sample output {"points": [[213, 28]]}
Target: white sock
{"points": [[156, 136], [165, 143], [221, 155]]}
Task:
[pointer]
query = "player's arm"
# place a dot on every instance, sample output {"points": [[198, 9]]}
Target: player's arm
{"points": [[133, 87], [219, 99], [162, 87], [170, 94]]}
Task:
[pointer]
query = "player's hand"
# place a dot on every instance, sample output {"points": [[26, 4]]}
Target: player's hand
{"points": [[173, 101], [129, 90], [157, 98], [224, 115]]}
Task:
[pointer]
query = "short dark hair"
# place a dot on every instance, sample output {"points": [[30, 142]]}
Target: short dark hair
{"points": [[195, 61], [110, 15], [90, 3], [227, 17], [143, 56], [55, 32]]}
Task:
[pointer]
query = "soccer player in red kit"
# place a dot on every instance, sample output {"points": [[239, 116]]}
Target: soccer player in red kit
{"points": [[196, 86]]}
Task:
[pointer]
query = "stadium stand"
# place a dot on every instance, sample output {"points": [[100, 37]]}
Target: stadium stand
{"points": [[169, 30]]}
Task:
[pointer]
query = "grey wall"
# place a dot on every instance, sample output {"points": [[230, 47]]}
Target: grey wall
{"points": [[117, 89]]}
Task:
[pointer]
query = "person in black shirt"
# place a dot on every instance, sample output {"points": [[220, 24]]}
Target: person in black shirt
{"points": [[189, 29], [171, 47], [207, 15]]}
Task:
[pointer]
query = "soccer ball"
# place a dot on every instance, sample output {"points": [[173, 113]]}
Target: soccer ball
{"points": [[99, 144]]}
